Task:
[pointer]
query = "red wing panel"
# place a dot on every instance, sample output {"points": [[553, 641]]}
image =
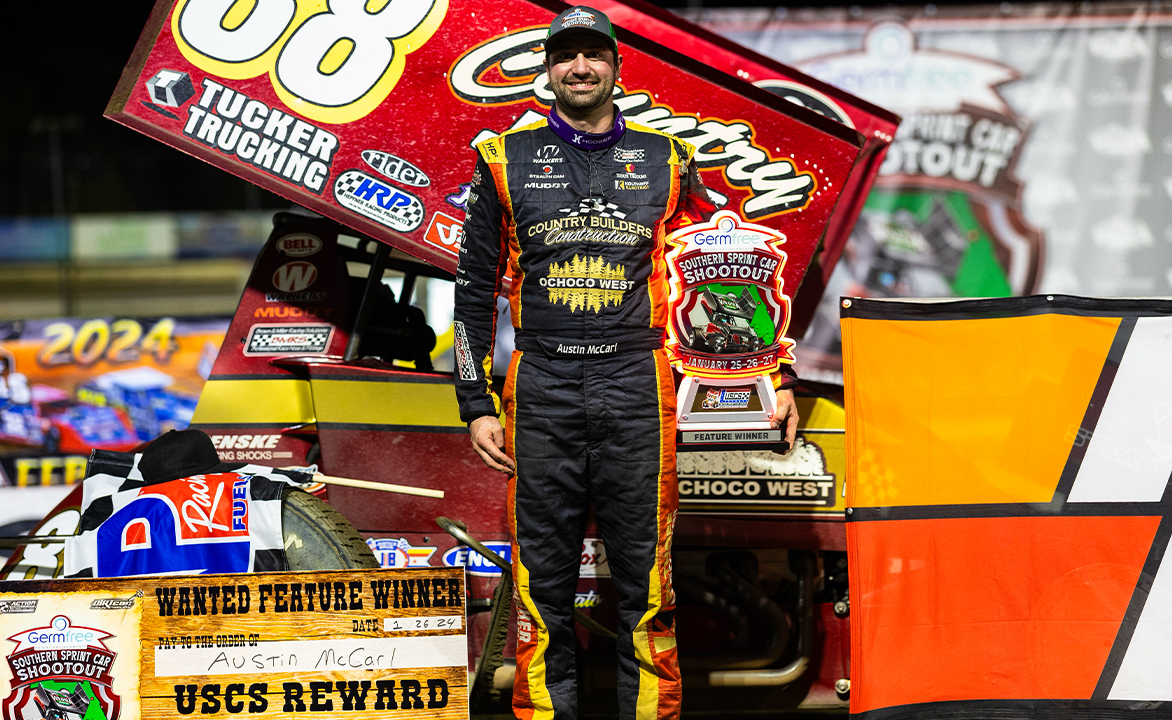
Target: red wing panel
{"points": [[368, 117]]}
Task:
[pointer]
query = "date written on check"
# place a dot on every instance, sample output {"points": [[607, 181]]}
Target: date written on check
{"points": [[413, 624]]}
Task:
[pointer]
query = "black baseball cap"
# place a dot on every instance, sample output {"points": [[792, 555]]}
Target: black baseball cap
{"points": [[179, 454], [581, 19]]}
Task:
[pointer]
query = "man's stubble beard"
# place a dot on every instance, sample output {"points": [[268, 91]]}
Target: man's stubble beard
{"points": [[579, 103]]}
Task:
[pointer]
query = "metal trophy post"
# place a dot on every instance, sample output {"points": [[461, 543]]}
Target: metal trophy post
{"points": [[726, 334]]}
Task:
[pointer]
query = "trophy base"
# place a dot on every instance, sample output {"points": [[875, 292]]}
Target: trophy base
{"points": [[715, 415]]}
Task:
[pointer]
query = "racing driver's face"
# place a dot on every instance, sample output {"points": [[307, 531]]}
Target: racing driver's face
{"points": [[582, 71]]}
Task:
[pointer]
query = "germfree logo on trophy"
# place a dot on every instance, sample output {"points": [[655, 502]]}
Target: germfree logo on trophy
{"points": [[729, 316]]}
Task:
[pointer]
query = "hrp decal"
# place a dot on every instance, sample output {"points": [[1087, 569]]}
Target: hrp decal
{"points": [[365, 195]]}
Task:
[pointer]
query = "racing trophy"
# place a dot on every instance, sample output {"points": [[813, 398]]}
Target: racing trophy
{"points": [[726, 333]]}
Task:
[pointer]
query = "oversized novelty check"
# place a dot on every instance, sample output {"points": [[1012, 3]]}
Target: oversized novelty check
{"points": [[383, 643]]}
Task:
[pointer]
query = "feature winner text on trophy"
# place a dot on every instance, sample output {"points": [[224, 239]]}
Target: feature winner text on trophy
{"points": [[727, 330]]}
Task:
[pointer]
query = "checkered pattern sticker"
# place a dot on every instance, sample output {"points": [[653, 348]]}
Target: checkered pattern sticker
{"points": [[594, 206]]}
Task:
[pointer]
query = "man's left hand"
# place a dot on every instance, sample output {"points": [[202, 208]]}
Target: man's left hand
{"points": [[787, 416]]}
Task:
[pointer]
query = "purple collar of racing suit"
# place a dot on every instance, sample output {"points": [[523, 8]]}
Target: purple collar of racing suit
{"points": [[585, 140]]}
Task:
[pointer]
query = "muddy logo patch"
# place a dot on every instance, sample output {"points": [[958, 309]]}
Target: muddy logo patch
{"points": [[61, 671]]}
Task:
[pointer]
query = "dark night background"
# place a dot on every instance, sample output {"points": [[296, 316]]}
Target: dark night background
{"points": [[62, 62]]}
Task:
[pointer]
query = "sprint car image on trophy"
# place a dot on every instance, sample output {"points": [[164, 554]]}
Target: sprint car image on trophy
{"points": [[59, 704], [720, 323]]}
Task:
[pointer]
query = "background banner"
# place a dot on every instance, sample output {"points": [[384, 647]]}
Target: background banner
{"points": [[70, 385], [1033, 155]]}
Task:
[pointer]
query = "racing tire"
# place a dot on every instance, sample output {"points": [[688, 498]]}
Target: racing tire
{"points": [[718, 345], [317, 537]]}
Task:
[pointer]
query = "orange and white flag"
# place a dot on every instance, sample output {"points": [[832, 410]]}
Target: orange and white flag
{"points": [[1007, 465]]}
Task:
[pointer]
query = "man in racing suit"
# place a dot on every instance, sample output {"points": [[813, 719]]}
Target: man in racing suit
{"points": [[576, 208]]}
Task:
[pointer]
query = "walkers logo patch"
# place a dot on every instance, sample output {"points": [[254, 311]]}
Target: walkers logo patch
{"points": [[587, 283], [59, 671]]}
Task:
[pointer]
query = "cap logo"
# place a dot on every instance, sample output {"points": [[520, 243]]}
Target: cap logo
{"points": [[577, 17]]}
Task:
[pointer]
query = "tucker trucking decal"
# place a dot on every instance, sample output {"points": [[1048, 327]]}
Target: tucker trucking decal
{"points": [[367, 113], [729, 313]]}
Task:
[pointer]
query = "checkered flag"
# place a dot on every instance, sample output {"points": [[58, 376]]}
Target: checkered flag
{"points": [[595, 206], [218, 522]]}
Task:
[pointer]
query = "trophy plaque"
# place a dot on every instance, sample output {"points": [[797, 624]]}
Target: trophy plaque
{"points": [[726, 333]]}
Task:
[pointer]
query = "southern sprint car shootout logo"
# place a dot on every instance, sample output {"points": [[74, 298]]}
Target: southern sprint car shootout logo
{"points": [[61, 670], [729, 313]]}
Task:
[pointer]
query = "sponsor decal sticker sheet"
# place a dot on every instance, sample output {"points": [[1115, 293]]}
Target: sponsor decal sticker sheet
{"points": [[368, 113]]}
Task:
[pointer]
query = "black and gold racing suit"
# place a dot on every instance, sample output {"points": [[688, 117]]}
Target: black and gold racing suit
{"points": [[589, 398]]}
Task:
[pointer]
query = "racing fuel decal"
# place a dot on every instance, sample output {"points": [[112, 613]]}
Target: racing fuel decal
{"points": [[365, 195], [396, 168], [586, 284], [283, 145], [267, 339]]}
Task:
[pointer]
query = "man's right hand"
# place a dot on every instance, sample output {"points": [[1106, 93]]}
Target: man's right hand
{"points": [[488, 440]]}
